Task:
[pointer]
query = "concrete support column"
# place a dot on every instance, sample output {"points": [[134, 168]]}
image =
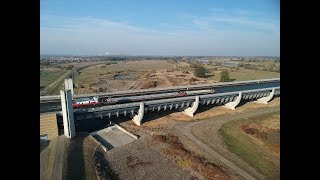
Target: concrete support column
{"points": [[68, 84], [137, 119], [67, 113], [232, 105], [191, 110], [266, 99]]}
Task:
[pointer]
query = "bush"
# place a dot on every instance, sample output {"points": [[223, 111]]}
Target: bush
{"points": [[101, 89], [191, 80], [70, 67], [200, 71], [45, 63], [224, 76]]}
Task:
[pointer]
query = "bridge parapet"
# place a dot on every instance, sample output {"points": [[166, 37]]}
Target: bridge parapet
{"points": [[230, 99], [163, 90]]}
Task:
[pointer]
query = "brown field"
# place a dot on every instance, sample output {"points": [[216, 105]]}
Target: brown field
{"points": [[143, 75], [154, 73], [185, 158]]}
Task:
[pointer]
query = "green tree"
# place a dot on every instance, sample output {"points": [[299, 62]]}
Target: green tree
{"points": [[70, 67], [224, 76], [45, 63], [200, 71]]}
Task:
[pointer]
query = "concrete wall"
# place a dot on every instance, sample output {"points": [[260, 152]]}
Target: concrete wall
{"points": [[67, 113], [68, 84], [48, 125]]}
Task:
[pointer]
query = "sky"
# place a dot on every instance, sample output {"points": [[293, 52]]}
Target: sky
{"points": [[160, 27]]}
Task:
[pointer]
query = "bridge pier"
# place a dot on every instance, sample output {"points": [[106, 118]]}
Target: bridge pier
{"points": [[265, 100], [232, 105], [68, 84], [191, 110], [137, 119], [67, 113]]}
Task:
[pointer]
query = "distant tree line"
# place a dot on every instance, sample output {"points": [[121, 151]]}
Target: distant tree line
{"points": [[269, 66]]}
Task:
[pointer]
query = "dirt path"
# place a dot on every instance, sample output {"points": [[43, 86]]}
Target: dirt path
{"points": [[219, 147], [58, 163], [43, 163]]}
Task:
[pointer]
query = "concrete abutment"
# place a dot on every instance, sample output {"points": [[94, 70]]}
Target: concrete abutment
{"points": [[265, 100], [234, 104], [191, 110], [137, 119]]}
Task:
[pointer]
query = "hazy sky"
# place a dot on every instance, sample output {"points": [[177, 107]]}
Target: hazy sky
{"points": [[160, 27]]}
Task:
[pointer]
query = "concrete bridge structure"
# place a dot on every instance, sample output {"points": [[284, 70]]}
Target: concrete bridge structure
{"points": [[219, 87], [137, 110], [53, 103]]}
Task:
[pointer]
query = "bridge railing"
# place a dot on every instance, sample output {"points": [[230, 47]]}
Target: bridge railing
{"points": [[56, 97]]}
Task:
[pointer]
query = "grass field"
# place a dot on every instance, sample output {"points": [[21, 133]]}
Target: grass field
{"points": [[90, 74], [242, 74], [257, 141], [146, 65], [58, 84], [246, 74], [48, 76]]}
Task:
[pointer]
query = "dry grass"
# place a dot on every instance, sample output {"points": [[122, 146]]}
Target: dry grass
{"points": [[246, 74], [154, 73], [156, 122], [266, 130], [79, 161], [257, 141], [48, 75], [132, 162], [103, 169], [145, 65], [185, 158], [57, 84]]}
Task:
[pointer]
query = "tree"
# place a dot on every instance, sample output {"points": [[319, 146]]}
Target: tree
{"points": [[45, 63], [200, 71], [224, 76], [70, 67]]}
